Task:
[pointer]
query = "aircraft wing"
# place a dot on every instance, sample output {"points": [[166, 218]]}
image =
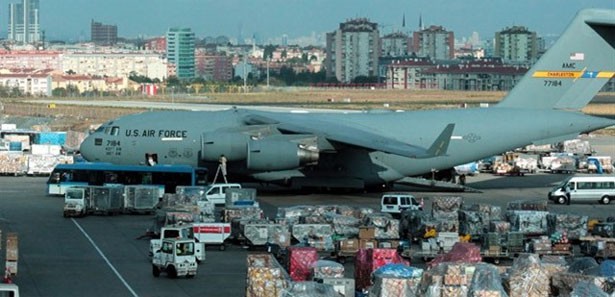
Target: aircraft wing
{"points": [[349, 135]]}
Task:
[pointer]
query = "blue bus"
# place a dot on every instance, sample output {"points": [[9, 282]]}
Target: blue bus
{"points": [[167, 177]]}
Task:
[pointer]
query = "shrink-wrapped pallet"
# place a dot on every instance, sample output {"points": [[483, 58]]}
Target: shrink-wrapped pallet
{"points": [[464, 252], [564, 283], [535, 205], [242, 212], [344, 225], [470, 222], [486, 282], [528, 278], [446, 204], [499, 226], [293, 214], [487, 212], [368, 260], [310, 289], [13, 163], [264, 233], [575, 226], [447, 279], [541, 244], [412, 223], [266, 277], [554, 264], [528, 222], [44, 164], [446, 225], [326, 269], [585, 289], [315, 235], [386, 226], [299, 262], [393, 280]]}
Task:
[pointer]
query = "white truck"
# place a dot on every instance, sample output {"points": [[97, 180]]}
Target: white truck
{"points": [[177, 232], [75, 201], [80, 201], [176, 257], [9, 290]]}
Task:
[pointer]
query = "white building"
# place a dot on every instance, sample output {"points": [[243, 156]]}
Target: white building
{"points": [[28, 84], [115, 64]]}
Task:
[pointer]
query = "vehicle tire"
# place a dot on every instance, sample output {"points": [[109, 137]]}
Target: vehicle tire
{"points": [[155, 271], [605, 200], [561, 200], [172, 272]]}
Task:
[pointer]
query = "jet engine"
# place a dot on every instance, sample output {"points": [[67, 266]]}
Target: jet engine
{"points": [[232, 145], [278, 155]]}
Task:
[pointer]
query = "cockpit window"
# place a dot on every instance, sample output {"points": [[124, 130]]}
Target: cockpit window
{"points": [[107, 129], [100, 129], [115, 131]]}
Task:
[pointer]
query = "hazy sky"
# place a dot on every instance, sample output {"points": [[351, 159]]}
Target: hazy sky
{"points": [[269, 19]]}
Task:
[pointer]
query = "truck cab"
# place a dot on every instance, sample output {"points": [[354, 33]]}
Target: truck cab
{"points": [[9, 290], [176, 257], [75, 199], [177, 232]]}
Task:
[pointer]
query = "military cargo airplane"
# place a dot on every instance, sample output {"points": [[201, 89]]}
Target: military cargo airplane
{"points": [[371, 149]]}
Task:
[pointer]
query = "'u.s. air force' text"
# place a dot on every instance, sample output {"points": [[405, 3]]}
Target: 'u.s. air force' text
{"points": [[157, 133]]}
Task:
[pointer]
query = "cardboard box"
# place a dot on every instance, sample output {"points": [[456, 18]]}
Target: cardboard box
{"points": [[349, 245], [367, 232], [368, 243], [388, 244]]}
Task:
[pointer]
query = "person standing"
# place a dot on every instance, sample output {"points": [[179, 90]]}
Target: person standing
{"points": [[222, 163]]}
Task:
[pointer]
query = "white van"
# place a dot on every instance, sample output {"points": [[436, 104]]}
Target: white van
{"points": [[216, 193], [599, 188], [396, 202]]}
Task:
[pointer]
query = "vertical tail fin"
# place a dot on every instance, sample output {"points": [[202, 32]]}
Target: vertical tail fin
{"points": [[574, 69]]}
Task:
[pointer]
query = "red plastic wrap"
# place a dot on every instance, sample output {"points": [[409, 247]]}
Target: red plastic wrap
{"points": [[300, 260], [462, 252], [368, 260]]}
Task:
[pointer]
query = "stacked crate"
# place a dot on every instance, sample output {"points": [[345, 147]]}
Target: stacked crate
{"points": [[444, 212], [265, 277], [12, 254]]}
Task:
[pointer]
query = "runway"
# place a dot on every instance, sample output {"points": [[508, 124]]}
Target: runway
{"points": [[101, 255]]}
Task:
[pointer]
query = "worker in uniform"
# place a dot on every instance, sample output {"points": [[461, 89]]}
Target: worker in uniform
{"points": [[222, 163]]}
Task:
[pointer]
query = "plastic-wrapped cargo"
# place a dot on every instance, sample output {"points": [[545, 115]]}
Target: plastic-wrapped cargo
{"points": [[343, 286], [386, 226], [604, 229], [607, 269], [13, 163], [395, 280], [326, 269], [554, 264], [344, 225], [486, 282], [412, 223], [575, 147], [470, 222], [310, 289], [499, 226], [44, 164], [299, 262], [537, 205], [527, 277], [266, 277], [228, 214], [293, 214], [585, 289], [241, 196], [528, 222], [264, 233], [584, 265], [462, 252], [447, 279], [446, 204], [315, 235], [488, 212], [575, 226], [446, 225], [368, 260], [564, 283]]}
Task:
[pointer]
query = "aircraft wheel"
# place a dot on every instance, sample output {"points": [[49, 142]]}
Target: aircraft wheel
{"points": [[605, 200], [155, 271], [561, 200]]}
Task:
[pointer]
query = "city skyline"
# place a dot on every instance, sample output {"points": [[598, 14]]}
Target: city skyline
{"points": [[302, 21]]}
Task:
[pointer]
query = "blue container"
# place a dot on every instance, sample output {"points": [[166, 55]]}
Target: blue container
{"points": [[57, 138]]}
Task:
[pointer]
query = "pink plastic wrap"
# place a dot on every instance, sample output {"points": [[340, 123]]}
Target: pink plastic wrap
{"points": [[368, 260], [462, 252]]}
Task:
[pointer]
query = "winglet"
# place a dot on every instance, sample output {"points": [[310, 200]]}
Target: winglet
{"points": [[440, 146]]}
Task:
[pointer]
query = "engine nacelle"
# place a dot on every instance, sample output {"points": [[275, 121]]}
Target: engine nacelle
{"points": [[232, 145], [278, 155]]}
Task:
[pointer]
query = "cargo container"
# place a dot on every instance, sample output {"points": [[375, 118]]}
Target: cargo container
{"points": [[140, 198], [106, 200]]}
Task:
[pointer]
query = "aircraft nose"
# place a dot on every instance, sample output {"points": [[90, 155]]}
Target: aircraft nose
{"points": [[87, 148]]}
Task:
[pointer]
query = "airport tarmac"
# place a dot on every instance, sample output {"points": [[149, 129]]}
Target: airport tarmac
{"points": [[101, 255]]}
